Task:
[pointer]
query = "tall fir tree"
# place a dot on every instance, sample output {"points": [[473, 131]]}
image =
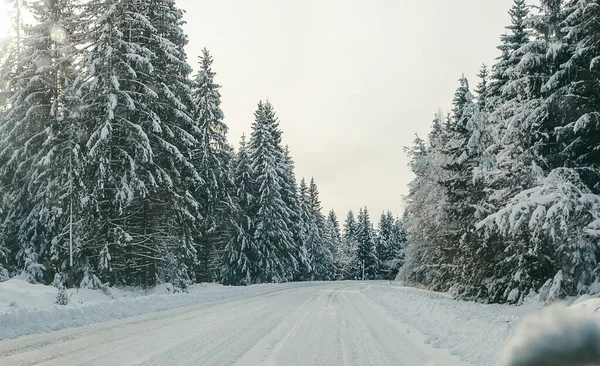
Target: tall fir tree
{"points": [[134, 89], [347, 251], [211, 160], [366, 250], [270, 213], [319, 242], [241, 254], [39, 148], [332, 225]]}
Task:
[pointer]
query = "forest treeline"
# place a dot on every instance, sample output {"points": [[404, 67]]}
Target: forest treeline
{"points": [[115, 166]]}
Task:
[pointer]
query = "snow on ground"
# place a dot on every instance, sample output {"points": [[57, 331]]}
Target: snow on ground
{"points": [[27, 308], [302, 324], [298, 323], [474, 332]]}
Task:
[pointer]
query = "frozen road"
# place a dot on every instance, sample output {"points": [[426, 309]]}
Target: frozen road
{"points": [[317, 324]]}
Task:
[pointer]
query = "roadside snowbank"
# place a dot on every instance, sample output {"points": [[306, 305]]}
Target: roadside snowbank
{"points": [[478, 333], [27, 308], [472, 331]]}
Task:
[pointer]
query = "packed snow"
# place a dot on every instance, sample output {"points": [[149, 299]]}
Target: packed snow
{"points": [[350, 323], [28, 308]]}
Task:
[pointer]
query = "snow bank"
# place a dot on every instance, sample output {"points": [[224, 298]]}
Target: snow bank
{"points": [[27, 308], [557, 336], [472, 331]]}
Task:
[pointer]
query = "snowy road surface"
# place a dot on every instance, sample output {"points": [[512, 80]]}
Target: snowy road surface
{"points": [[320, 324]]}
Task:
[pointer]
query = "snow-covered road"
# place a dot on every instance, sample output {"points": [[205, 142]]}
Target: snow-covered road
{"points": [[317, 324]]}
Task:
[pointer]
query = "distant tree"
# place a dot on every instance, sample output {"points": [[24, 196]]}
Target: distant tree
{"points": [[366, 251]]}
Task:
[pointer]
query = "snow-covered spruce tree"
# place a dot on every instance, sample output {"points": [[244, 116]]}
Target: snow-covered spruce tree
{"points": [[526, 150], [291, 197], [211, 159], [397, 248], [463, 151], [318, 243], [517, 35], [366, 250], [39, 147], [575, 93], [424, 262], [390, 242], [274, 239], [561, 216], [240, 258], [333, 225], [347, 251], [305, 273], [481, 91], [133, 86], [12, 48], [384, 231]]}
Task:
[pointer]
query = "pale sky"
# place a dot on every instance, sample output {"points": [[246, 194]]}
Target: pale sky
{"points": [[351, 81]]}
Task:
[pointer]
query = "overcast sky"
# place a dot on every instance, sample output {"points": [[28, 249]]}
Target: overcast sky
{"points": [[351, 81]]}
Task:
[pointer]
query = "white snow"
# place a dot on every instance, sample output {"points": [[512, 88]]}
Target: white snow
{"points": [[350, 323], [293, 324], [26, 308], [474, 332]]}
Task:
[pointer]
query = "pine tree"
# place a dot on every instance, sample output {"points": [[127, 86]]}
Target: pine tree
{"points": [[463, 151], [211, 159], [332, 225], [319, 243], [291, 197], [576, 93], [525, 150], [241, 254], [39, 150], [134, 87], [425, 255], [347, 252], [366, 250], [482, 87], [305, 272], [396, 249], [517, 36], [270, 213], [388, 245]]}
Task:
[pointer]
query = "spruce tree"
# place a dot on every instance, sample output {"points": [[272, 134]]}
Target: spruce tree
{"points": [[512, 41], [211, 160], [387, 250], [347, 252], [240, 258], [39, 148], [366, 250], [305, 272], [319, 243], [332, 225], [291, 197], [134, 88], [426, 258], [270, 213]]}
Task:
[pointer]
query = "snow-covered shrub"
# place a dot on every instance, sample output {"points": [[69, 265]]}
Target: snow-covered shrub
{"points": [[62, 298], [90, 281]]}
